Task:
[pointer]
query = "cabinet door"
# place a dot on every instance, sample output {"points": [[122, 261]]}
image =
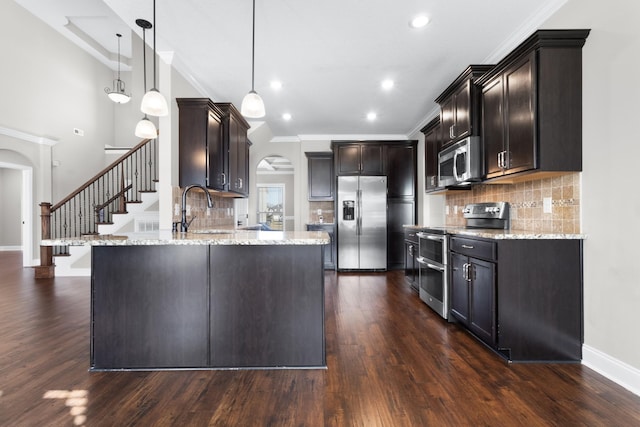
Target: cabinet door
{"points": [[216, 173], [447, 120], [459, 288], [520, 118], [234, 154], [400, 212], [462, 111], [348, 159], [192, 133], [482, 313], [320, 176], [371, 159], [493, 125], [400, 170], [431, 147]]}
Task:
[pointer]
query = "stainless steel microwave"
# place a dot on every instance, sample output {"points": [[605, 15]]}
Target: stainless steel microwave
{"points": [[461, 163]]}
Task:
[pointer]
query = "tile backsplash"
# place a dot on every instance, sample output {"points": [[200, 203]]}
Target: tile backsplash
{"points": [[327, 212], [220, 216], [526, 203]]}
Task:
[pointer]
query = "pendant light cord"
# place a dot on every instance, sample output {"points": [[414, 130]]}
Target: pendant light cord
{"points": [[118, 35], [253, 46], [154, 46], [144, 58]]}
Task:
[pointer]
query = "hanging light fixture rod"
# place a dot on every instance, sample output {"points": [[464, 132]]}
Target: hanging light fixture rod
{"points": [[153, 103], [252, 104], [117, 93], [145, 127]]}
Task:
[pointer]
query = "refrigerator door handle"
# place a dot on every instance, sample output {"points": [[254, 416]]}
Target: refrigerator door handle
{"points": [[359, 212]]}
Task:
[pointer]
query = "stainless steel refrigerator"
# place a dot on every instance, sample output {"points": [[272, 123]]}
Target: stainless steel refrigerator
{"points": [[362, 222]]}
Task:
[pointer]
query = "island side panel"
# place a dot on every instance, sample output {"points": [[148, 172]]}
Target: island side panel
{"points": [[149, 307], [267, 306]]}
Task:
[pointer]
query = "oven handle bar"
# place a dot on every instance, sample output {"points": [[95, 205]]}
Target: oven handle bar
{"points": [[430, 236], [423, 261]]}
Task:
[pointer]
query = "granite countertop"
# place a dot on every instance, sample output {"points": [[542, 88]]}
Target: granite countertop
{"points": [[499, 234], [198, 237]]}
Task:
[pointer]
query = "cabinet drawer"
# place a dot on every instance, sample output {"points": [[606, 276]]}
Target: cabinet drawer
{"points": [[411, 236], [474, 248]]}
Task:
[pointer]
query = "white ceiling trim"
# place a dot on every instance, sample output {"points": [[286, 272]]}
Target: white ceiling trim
{"points": [[23, 136]]}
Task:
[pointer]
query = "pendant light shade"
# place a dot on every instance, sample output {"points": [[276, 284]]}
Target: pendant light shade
{"points": [[145, 127], [252, 104], [117, 93], [153, 103]]}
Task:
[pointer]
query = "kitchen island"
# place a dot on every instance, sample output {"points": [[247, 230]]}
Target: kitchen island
{"points": [[226, 300]]}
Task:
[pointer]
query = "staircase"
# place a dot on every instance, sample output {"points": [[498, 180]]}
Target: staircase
{"points": [[114, 201]]}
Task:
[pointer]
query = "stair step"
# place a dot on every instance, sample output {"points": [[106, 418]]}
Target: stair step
{"points": [[62, 255], [103, 223], [134, 201], [116, 213], [147, 191]]}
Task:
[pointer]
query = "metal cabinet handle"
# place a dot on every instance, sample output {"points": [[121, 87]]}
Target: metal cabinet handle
{"points": [[464, 271], [467, 247], [224, 178], [240, 183]]}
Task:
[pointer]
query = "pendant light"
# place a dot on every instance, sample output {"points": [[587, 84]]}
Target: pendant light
{"points": [[117, 94], [153, 103], [252, 105], [145, 127]]}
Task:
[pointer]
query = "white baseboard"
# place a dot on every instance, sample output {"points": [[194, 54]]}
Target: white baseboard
{"points": [[10, 248], [625, 375]]}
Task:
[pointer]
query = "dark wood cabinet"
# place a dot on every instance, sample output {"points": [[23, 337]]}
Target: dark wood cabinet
{"points": [[213, 146], [235, 135], [411, 269], [460, 105], [330, 250], [358, 158], [149, 307], [473, 283], [401, 169], [321, 179], [532, 104], [432, 144], [400, 212], [202, 154], [522, 297]]}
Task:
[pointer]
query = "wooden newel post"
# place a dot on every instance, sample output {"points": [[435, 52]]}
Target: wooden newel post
{"points": [[46, 269]]}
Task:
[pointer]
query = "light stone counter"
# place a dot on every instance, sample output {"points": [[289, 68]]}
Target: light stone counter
{"points": [[499, 234], [199, 237]]}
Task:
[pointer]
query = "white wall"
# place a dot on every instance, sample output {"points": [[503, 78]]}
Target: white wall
{"points": [[49, 87], [611, 149]]}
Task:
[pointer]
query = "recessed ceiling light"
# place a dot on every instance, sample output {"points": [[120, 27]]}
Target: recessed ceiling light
{"points": [[276, 85], [387, 84], [419, 21], [371, 116], [286, 116]]}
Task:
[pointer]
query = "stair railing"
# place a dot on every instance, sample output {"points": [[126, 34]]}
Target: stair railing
{"points": [[95, 202]]}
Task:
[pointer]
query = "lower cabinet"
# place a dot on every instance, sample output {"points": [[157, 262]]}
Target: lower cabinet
{"points": [[522, 297], [473, 295], [330, 250], [411, 269]]}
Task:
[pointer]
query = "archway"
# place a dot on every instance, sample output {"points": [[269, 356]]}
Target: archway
{"points": [[17, 191], [275, 193]]}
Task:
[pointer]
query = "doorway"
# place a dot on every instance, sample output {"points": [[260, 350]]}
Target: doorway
{"points": [[18, 192], [274, 202], [271, 206]]}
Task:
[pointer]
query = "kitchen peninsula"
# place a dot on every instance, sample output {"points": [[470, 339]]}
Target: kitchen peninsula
{"points": [[199, 300]]}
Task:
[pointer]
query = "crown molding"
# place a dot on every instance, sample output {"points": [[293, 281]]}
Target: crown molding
{"points": [[27, 137]]}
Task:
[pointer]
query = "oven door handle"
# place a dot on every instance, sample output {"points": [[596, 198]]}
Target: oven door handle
{"points": [[424, 261], [437, 238]]}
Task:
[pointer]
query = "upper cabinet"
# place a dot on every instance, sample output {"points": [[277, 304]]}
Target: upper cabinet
{"points": [[432, 143], [400, 166], [235, 135], [532, 106], [460, 105], [213, 146], [357, 158], [321, 178]]}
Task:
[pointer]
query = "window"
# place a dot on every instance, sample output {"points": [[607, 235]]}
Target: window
{"points": [[271, 205]]}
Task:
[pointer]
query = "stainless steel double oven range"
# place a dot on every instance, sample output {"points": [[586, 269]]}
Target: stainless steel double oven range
{"points": [[433, 254]]}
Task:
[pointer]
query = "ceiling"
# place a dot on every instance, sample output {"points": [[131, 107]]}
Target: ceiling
{"points": [[330, 56]]}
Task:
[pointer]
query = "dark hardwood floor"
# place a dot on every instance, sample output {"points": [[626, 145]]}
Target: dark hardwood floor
{"points": [[391, 362]]}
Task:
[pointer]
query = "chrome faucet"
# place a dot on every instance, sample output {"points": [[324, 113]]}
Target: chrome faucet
{"points": [[184, 225]]}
